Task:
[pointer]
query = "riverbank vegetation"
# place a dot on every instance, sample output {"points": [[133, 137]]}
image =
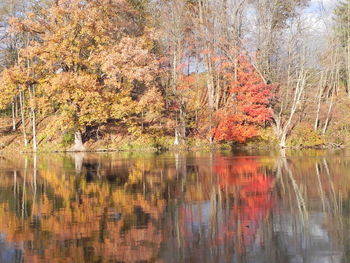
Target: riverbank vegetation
{"points": [[140, 74]]}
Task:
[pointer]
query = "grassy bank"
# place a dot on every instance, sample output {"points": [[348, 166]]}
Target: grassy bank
{"points": [[50, 139]]}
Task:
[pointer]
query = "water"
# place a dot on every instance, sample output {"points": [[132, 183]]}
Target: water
{"points": [[251, 207]]}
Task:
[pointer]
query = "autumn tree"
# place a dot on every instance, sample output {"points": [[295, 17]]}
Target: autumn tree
{"points": [[273, 18], [10, 44], [219, 33], [249, 106], [342, 34], [93, 53], [174, 26]]}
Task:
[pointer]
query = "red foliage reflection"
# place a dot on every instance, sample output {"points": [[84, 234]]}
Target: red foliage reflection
{"points": [[250, 191], [232, 218]]}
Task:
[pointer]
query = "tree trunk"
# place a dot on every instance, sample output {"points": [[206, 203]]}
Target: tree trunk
{"points": [[329, 114], [283, 140], [176, 141], [32, 109], [21, 101], [78, 143], [318, 104], [13, 116], [16, 107], [182, 123], [210, 90], [297, 98]]}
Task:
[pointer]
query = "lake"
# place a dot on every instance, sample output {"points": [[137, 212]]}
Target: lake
{"points": [[251, 207]]}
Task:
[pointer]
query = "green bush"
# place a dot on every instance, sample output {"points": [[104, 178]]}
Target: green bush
{"points": [[67, 139]]}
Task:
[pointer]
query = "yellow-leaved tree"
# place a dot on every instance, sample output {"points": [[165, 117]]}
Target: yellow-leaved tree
{"points": [[90, 55]]}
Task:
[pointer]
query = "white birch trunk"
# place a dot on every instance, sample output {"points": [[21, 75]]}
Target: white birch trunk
{"points": [[21, 101]]}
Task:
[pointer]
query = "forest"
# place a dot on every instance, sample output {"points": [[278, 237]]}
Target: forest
{"points": [[157, 74]]}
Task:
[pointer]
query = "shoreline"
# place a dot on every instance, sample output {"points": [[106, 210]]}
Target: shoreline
{"points": [[184, 148]]}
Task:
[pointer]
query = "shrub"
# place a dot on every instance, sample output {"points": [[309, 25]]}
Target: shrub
{"points": [[304, 135], [67, 139]]}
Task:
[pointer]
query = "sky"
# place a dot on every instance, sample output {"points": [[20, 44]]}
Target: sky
{"points": [[319, 14], [318, 18]]}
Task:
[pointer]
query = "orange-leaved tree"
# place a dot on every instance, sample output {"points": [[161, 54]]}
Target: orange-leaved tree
{"points": [[248, 107], [93, 53]]}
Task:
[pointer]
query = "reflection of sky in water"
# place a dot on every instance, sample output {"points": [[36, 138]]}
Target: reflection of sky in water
{"points": [[198, 216], [8, 252], [305, 243], [297, 241]]}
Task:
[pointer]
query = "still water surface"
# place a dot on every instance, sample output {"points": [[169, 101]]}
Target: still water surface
{"points": [[186, 207]]}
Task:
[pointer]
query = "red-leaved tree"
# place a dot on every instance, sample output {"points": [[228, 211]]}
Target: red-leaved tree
{"points": [[248, 107]]}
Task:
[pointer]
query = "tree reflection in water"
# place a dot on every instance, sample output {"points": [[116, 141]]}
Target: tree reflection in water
{"points": [[173, 208]]}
